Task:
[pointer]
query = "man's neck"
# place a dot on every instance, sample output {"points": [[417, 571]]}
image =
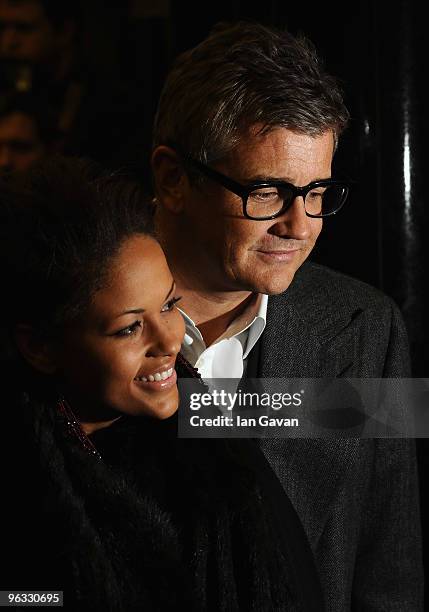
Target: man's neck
{"points": [[212, 312], [212, 308]]}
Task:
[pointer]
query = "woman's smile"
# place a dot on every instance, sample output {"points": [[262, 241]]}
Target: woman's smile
{"points": [[159, 381], [120, 355]]}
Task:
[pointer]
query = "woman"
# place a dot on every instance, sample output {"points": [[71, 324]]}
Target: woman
{"points": [[103, 501]]}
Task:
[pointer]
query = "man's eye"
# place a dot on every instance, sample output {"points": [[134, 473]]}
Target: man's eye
{"points": [[130, 329], [315, 194], [264, 195], [170, 304]]}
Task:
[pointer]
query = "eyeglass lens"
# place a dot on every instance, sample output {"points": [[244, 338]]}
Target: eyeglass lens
{"points": [[268, 201]]}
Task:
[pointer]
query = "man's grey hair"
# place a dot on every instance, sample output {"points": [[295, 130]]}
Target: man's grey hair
{"points": [[241, 75]]}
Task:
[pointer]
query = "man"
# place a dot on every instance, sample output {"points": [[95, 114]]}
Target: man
{"points": [[25, 134], [39, 34], [41, 52], [246, 129], [38, 54]]}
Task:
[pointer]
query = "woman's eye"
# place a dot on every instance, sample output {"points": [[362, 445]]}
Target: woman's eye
{"points": [[130, 329], [170, 304]]}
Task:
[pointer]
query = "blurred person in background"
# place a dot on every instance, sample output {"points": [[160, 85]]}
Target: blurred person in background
{"points": [[37, 43], [46, 50], [26, 133]]}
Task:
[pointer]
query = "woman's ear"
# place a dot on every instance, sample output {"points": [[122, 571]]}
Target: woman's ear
{"points": [[170, 179], [35, 349]]}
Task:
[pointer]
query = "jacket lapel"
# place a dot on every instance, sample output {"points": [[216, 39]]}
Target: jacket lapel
{"points": [[303, 340]]}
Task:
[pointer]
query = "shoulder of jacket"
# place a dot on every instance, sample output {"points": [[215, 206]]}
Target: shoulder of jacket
{"points": [[315, 283]]}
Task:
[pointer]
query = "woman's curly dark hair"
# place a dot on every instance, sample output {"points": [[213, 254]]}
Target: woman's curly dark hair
{"points": [[61, 224]]}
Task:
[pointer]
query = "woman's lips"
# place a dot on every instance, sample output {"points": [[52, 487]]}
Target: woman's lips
{"points": [[157, 385]]}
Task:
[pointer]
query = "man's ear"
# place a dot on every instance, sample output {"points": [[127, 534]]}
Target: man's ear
{"points": [[170, 179], [35, 349]]}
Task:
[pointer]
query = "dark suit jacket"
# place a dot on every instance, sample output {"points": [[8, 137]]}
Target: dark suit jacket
{"points": [[357, 498]]}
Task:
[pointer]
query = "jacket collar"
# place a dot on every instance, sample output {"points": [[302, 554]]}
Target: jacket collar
{"points": [[305, 335]]}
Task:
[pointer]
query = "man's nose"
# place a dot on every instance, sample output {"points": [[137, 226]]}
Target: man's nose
{"points": [[293, 223]]}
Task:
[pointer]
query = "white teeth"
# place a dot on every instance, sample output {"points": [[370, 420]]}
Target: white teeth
{"points": [[157, 376]]}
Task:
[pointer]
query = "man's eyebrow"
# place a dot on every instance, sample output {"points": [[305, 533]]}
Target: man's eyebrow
{"points": [[141, 310], [263, 178]]}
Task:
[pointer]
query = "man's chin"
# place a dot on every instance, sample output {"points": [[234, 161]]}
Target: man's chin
{"points": [[271, 284], [272, 273]]}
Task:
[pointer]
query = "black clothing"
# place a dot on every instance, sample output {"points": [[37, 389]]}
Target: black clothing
{"points": [[357, 498], [159, 523]]}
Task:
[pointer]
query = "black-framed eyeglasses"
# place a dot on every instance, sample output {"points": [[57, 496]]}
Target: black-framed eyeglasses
{"points": [[263, 200]]}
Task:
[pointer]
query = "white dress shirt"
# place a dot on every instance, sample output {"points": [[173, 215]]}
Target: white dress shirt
{"points": [[226, 357]]}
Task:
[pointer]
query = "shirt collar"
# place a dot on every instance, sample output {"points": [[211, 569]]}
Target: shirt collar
{"points": [[252, 320], [257, 326]]}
